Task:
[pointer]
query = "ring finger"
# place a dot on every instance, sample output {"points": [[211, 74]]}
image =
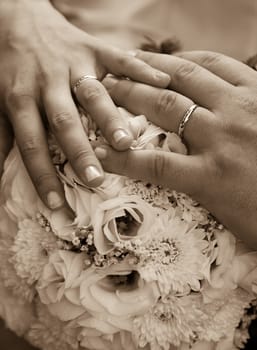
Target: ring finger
{"points": [[163, 107], [94, 98], [66, 125]]}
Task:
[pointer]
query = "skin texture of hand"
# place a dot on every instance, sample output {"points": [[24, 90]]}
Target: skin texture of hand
{"points": [[220, 170], [42, 57]]}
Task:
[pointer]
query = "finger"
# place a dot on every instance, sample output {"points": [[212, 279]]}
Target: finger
{"points": [[94, 98], [179, 172], [6, 141], [190, 79], [31, 140], [227, 68], [164, 108], [124, 64], [66, 125]]}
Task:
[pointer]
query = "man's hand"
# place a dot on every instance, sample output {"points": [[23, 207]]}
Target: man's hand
{"points": [[220, 170]]}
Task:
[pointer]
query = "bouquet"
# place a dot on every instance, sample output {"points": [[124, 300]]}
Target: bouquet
{"points": [[137, 267]]}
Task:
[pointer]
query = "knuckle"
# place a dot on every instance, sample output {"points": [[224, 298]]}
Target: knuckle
{"points": [[210, 59], [92, 92], [128, 63], [81, 156], [165, 102], [125, 61], [29, 147], [42, 180], [17, 99], [61, 120], [185, 71], [158, 166]]}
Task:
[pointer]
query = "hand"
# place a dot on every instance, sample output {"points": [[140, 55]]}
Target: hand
{"points": [[42, 56], [220, 171]]}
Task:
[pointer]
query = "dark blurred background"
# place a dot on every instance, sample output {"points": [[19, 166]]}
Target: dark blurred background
{"points": [[9, 341]]}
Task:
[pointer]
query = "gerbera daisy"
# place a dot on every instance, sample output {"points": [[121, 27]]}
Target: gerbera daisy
{"points": [[175, 257]]}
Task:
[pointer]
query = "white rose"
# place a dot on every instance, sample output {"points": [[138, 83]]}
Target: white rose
{"points": [[20, 199], [115, 295], [59, 284], [111, 186], [106, 230], [80, 199]]}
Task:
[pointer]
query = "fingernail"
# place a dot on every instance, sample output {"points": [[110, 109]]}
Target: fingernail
{"points": [[120, 134], [54, 200], [109, 82], [101, 153], [92, 173]]}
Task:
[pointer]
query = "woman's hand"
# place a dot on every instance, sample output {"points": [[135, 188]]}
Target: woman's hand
{"points": [[42, 57], [220, 170]]}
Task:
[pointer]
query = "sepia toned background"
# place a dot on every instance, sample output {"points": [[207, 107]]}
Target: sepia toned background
{"points": [[227, 26]]}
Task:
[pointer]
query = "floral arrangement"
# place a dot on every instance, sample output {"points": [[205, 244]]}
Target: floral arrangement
{"points": [[140, 266]]}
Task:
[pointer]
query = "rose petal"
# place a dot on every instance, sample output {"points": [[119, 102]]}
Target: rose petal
{"points": [[65, 310]]}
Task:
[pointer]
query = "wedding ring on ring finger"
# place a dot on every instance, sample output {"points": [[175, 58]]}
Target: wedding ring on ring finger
{"points": [[185, 119], [81, 81]]}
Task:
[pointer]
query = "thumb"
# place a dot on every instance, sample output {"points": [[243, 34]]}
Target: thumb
{"points": [[176, 171]]}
